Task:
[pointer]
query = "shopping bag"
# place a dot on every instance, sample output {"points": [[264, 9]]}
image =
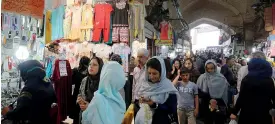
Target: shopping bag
{"points": [[129, 115], [233, 122]]}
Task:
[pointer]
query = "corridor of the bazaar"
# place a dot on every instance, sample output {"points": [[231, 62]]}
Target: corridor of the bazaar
{"points": [[137, 61]]}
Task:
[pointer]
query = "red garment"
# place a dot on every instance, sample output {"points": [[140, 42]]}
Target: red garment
{"points": [[164, 31], [63, 90], [102, 22]]}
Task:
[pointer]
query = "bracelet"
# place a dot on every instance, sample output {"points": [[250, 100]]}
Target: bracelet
{"points": [[157, 105]]}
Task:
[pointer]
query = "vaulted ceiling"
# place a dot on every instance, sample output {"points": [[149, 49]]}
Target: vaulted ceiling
{"points": [[231, 14]]}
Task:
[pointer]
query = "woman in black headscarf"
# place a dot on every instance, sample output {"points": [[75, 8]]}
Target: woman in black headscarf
{"points": [[78, 74], [177, 65], [257, 94], [89, 84], [36, 97]]}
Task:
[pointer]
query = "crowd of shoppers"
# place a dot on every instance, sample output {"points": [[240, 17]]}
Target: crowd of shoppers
{"points": [[181, 91]]}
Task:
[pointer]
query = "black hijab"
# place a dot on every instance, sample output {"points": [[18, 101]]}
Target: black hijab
{"points": [[93, 81], [83, 63], [32, 69]]}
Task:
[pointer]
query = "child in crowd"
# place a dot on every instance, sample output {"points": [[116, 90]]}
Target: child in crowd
{"points": [[188, 104]]}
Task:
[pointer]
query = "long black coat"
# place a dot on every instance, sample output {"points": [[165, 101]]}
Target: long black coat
{"points": [[255, 101], [37, 96]]}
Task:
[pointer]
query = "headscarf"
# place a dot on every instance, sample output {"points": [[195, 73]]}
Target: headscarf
{"points": [[213, 83], [83, 63], [93, 81], [32, 69], [117, 58], [258, 67], [107, 106], [193, 71], [158, 92], [100, 63], [174, 75]]}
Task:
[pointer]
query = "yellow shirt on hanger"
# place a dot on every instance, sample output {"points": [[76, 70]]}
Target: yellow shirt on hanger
{"points": [[87, 21], [48, 32]]}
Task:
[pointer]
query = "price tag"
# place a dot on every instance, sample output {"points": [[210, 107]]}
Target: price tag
{"points": [[63, 68]]}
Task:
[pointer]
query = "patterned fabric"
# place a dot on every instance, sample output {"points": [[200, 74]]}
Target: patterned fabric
{"points": [[235, 68], [120, 34]]}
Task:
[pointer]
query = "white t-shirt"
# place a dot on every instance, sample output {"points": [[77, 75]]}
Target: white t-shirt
{"points": [[123, 50], [102, 50]]}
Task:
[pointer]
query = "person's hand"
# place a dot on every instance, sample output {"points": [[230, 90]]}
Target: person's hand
{"points": [[179, 72], [5, 110], [196, 112], [233, 117], [79, 99], [53, 105], [83, 105], [213, 104], [173, 68], [146, 101]]}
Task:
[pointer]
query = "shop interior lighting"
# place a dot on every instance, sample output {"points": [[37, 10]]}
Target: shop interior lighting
{"points": [[22, 53], [253, 49]]}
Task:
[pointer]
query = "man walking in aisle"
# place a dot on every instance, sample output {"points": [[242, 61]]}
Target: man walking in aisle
{"points": [[139, 74]]}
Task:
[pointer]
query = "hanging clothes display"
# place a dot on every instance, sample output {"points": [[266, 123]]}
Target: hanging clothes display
{"points": [[102, 22], [137, 20], [123, 50], [57, 22], [87, 23], [62, 77], [120, 22], [67, 23], [76, 23], [166, 32]]}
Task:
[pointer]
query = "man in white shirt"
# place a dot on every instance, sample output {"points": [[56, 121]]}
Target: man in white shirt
{"points": [[244, 70], [139, 71]]}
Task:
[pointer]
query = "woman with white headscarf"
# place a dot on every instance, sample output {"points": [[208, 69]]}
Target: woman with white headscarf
{"points": [[107, 105], [158, 96], [213, 90]]}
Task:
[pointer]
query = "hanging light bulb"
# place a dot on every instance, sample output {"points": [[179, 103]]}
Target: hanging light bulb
{"points": [[22, 53]]}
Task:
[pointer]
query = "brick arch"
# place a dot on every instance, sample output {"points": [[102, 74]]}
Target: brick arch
{"points": [[220, 2], [213, 22]]}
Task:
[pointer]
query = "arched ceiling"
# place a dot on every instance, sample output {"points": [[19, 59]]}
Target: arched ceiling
{"points": [[213, 23], [232, 13]]}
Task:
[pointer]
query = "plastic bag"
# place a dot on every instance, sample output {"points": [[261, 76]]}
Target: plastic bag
{"points": [[233, 122], [144, 115]]}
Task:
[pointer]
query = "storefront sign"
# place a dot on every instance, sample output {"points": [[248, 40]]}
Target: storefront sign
{"points": [[163, 42], [32, 8]]}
